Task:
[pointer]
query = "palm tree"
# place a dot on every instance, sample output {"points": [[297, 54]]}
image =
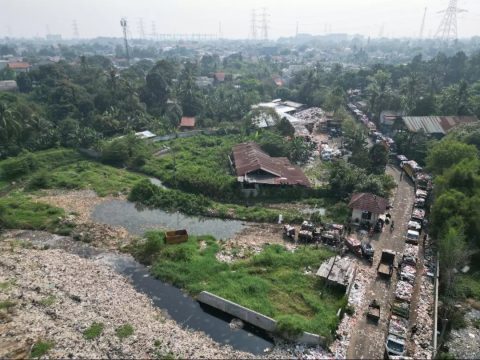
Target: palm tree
{"points": [[10, 125]]}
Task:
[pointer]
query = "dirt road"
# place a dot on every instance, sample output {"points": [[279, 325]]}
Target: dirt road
{"points": [[367, 340]]}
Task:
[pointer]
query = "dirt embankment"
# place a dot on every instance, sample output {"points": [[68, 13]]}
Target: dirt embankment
{"points": [[79, 205]]}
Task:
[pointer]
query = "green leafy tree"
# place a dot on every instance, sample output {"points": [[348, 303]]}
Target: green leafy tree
{"points": [[445, 154]]}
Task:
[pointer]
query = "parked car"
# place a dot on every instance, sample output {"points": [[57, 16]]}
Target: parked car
{"points": [[412, 237]]}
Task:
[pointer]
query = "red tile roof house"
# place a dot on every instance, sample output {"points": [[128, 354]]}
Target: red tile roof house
{"points": [[19, 66], [367, 207], [255, 168], [187, 123], [219, 76]]}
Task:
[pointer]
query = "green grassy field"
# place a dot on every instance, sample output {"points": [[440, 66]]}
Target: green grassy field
{"points": [[201, 162], [272, 282], [18, 211], [85, 174]]}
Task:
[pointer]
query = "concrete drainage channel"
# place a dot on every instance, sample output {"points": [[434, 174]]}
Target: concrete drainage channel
{"points": [[263, 322]]}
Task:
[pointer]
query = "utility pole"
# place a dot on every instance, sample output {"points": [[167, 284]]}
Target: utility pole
{"points": [[76, 34], [123, 24], [264, 27], [253, 25], [448, 31], [422, 28]]}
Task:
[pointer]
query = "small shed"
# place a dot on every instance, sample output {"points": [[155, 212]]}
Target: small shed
{"points": [[338, 271], [187, 123], [367, 208]]}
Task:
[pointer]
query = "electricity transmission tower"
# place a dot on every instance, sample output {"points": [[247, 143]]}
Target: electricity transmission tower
{"points": [[76, 34], [264, 24], [141, 29], [253, 25], [123, 24], [447, 31], [422, 27], [154, 31]]}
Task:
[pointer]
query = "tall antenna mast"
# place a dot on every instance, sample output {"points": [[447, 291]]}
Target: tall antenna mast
{"points": [[265, 16], [296, 30], [253, 25], [220, 33], [447, 31], [422, 27], [123, 24]]}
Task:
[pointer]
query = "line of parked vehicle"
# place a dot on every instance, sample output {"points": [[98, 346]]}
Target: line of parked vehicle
{"points": [[398, 328], [333, 235]]}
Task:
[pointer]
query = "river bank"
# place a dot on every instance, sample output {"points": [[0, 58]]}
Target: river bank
{"points": [[51, 302]]}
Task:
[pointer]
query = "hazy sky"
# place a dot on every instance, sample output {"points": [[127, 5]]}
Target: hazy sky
{"points": [[27, 18]]}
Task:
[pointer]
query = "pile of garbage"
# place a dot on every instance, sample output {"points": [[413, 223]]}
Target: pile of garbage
{"points": [[356, 299], [464, 343], [56, 296], [422, 337], [311, 115]]}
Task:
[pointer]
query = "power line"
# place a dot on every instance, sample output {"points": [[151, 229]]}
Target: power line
{"points": [[253, 25], [422, 27]]}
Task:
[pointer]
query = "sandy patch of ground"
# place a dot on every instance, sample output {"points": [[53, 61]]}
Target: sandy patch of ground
{"points": [[80, 204]]}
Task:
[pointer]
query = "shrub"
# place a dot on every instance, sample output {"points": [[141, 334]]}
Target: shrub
{"points": [[289, 325], [40, 348], [94, 331], [40, 180], [18, 166], [6, 304], [124, 331]]}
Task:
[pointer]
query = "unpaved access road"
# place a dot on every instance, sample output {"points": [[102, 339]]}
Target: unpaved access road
{"points": [[368, 339]]}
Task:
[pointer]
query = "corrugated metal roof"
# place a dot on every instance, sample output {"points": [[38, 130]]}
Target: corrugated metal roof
{"points": [[436, 124]]}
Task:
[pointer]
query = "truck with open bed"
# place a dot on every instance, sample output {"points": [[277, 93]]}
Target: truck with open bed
{"points": [[385, 266]]}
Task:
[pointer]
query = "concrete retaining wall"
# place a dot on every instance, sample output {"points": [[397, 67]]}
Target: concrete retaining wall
{"points": [[263, 322], [250, 316]]}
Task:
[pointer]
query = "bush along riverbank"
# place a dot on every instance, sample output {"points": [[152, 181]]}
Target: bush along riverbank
{"points": [[276, 282], [172, 200]]}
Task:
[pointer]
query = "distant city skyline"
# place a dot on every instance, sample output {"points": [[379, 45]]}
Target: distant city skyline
{"points": [[389, 18]]}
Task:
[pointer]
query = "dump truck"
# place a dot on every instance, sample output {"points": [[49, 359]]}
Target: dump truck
{"points": [[373, 312], [385, 266], [176, 236]]}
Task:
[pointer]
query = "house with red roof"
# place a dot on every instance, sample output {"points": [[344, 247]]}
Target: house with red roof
{"points": [[187, 123], [19, 66], [367, 208], [254, 168]]}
